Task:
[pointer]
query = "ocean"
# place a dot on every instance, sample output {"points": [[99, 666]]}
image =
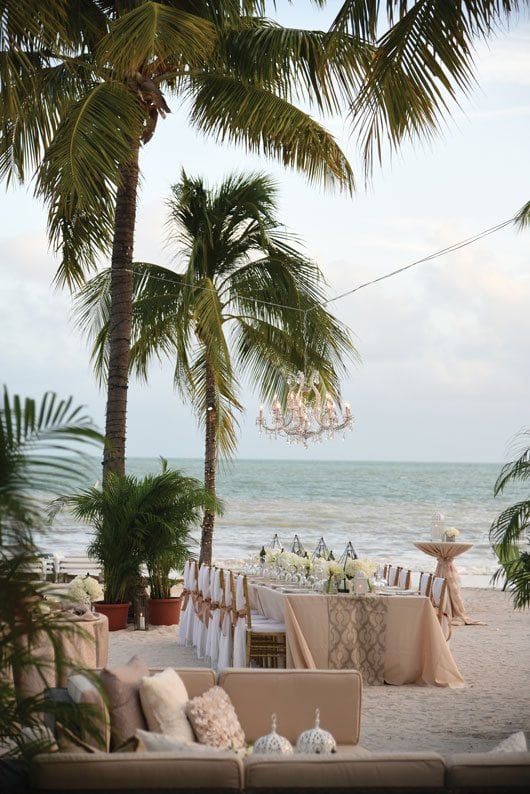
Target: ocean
{"points": [[382, 508]]}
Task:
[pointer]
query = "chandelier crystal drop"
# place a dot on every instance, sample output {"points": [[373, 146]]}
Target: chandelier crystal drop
{"points": [[307, 417]]}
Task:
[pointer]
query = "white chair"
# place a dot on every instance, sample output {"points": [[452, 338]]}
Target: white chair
{"points": [[214, 630], [193, 590], [392, 573], [404, 577], [439, 597], [425, 584], [224, 658], [200, 628], [265, 638]]}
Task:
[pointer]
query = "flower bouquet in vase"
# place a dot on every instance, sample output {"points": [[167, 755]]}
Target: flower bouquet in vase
{"points": [[451, 534]]}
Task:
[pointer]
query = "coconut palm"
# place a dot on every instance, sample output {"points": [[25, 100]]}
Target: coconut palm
{"points": [[511, 527], [247, 303], [90, 102], [42, 445]]}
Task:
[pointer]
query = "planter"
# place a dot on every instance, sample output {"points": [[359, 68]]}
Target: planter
{"points": [[116, 613], [164, 611]]}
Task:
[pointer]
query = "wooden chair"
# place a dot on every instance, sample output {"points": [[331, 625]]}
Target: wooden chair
{"points": [[265, 639], [403, 579], [392, 574], [425, 584], [439, 597]]}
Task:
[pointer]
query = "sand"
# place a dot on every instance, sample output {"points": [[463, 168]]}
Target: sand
{"points": [[494, 703]]}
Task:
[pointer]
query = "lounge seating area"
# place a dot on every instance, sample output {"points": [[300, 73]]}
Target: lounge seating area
{"points": [[293, 696]]}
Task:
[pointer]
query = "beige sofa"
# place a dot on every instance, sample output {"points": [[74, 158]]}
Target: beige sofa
{"points": [[293, 695]]}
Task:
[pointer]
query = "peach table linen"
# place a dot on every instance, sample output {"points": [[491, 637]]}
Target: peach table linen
{"points": [[445, 552], [87, 647], [415, 648]]}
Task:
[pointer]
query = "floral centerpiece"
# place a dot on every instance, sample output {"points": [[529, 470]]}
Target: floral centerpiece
{"points": [[353, 567], [450, 534], [84, 590]]}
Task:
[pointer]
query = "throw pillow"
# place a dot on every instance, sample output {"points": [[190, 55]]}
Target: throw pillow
{"points": [[160, 743], [215, 721], [516, 743], [164, 697], [83, 690], [122, 685], [70, 743]]}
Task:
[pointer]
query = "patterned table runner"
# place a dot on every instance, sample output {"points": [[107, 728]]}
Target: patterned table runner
{"points": [[357, 626]]}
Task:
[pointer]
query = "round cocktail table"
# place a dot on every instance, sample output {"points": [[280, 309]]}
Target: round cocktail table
{"points": [[445, 552]]}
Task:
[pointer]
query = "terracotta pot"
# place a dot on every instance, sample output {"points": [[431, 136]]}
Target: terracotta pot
{"points": [[116, 613], [164, 611]]}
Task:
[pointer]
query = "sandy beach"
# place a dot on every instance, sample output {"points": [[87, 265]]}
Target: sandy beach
{"points": [[493, 658]]}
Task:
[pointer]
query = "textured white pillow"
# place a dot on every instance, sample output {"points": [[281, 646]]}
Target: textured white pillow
{"points": [[516, 743], [164, 697]]}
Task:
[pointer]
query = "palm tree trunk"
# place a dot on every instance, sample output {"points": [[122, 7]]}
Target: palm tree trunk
{"points": [[120, 318], [210, 466]]}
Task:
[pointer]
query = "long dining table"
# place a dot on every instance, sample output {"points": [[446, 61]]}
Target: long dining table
{"points": [[392, 639]]}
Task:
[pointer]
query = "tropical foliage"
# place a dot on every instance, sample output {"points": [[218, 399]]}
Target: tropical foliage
{"points": [[246, 304], [82, 89], [513, 527], [136, 521], [41, 446]]}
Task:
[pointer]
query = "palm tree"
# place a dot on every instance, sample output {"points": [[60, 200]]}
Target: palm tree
{"points": [[246, 303], [41, 447], [82, 89], [89, 102], [512, 526]]}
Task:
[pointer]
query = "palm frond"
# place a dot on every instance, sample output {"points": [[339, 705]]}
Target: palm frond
{"points": [[518, 469], [267, 124], [81, 172], [522, 219], [322, 69], [158, 37], [40, 446]]}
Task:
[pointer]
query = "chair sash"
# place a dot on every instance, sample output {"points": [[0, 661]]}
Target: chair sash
{"points": [[186, 606], [239, 621], [201, 610]]}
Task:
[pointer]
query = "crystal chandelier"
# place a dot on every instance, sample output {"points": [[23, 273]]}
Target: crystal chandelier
{"points": [[307, 417]]}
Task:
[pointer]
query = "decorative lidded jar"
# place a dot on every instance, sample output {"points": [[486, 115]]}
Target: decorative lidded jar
{"points": [[273, 743], [316, 740]]}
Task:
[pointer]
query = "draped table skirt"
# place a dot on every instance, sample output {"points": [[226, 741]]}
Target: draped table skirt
{"points": [[391, 639]]}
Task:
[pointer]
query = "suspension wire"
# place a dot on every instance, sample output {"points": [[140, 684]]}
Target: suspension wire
{"points": [[429, 258]]}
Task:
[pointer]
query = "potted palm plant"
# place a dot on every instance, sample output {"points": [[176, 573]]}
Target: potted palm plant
{"points": [[173, 505], [113, 514]]}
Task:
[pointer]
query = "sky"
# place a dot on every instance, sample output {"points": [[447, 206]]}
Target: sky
{"points": [[444, 346]]}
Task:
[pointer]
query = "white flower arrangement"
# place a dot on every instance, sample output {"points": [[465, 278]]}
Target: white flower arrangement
{"points": [[271, 556], [367, 567], [452, 532], [83, 589]]}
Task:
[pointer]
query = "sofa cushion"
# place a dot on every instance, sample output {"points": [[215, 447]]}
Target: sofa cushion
{"points": [[214, 771], [488, 769], [68, 742], [84, 691], [151, 742], [122, 685], [293, 695], [164, 698], [344, 771], [215, 721], [516, 743]]}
